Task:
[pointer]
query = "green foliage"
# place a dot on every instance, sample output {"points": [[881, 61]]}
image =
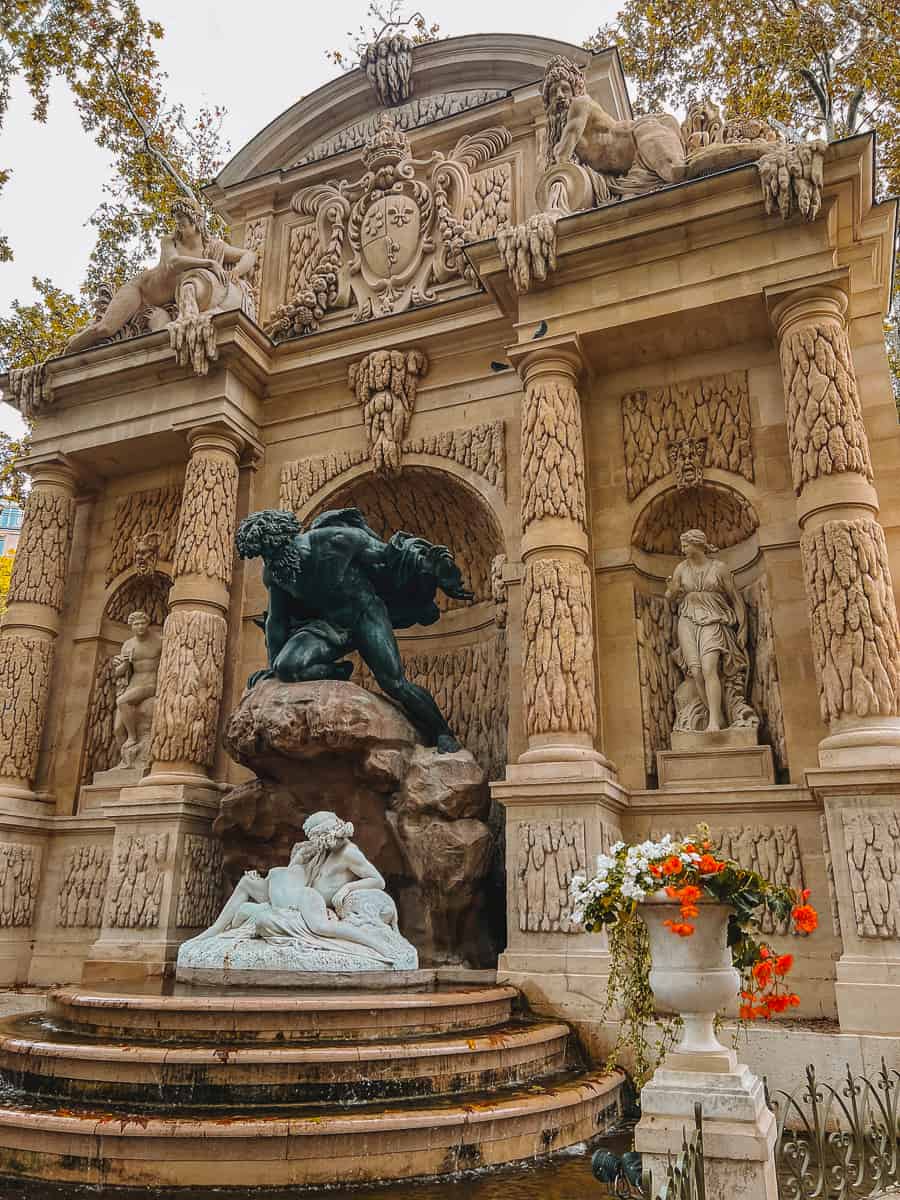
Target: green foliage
{"points": [[34, 332], [385, 18], [629, 998], [12, 477], [105, 51], [816, 65]]}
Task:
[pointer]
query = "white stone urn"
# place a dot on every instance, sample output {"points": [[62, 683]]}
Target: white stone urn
{"points": [[692, 976]]}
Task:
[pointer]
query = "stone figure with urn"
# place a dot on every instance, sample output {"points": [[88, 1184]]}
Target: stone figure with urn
{"points": [[198, 274], [593, 158]]}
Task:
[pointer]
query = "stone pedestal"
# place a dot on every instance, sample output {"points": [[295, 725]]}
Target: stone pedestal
{"points": [[559, 817], [165, 881], [729, 757], [739, 1130], [862, 831]]}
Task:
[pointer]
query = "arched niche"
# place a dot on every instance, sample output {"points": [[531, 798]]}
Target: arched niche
{"points": [[149, 593], [723, 513], [432, 504]]}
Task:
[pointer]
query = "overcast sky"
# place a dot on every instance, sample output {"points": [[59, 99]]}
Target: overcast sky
{"points": [[256, 58]]}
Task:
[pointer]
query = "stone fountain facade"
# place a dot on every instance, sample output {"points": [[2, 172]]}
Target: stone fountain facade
{"points": [[469, 323]]}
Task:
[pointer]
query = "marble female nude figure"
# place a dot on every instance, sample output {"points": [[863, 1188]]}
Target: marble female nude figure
{"points": [[316, 905], [197, 272]]}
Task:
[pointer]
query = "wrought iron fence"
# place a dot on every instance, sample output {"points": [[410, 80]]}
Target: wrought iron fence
{"points": [[838, 1142], [684, 1177]]}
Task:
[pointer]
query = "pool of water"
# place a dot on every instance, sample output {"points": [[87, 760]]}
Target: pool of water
{"points": [[567, 1176]]}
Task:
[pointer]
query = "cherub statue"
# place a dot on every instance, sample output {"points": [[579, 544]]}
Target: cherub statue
{"points": [[196, 272], [336, 587], [135, 669], [712, 641], [327, 910]]}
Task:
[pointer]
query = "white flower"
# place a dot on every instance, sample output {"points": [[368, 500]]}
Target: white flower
{"points": [[616, 847]]}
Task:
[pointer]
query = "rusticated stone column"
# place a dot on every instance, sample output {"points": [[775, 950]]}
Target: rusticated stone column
{"points": [[559, 679], [853, 618], [31, 624], [182, 741]]}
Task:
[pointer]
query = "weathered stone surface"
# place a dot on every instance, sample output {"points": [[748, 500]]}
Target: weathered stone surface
{"points": [[278, 724], [420, 815], [451, 785]]}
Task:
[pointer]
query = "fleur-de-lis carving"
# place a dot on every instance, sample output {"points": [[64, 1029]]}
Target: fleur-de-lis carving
{"points": [[399, 215]]}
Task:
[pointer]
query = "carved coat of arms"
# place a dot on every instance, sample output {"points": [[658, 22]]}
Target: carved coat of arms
{"points": [[387, 239]]}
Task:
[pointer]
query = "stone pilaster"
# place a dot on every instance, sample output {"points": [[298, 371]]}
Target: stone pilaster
{"points": [[559, 676], [155, 867], [856, 647], [561, 800], [853, 617], [182, 743], [31, 625]]}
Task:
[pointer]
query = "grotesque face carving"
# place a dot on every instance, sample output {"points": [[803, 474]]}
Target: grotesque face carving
{"points": [[687, 458], [146, 553]]}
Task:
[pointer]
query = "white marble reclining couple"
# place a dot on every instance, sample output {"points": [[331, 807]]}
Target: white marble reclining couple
{"points": [[327, 910]]}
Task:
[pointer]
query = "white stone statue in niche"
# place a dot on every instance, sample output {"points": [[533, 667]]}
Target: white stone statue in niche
{"points": [[712, 641], [135, 669], [327, 910]]}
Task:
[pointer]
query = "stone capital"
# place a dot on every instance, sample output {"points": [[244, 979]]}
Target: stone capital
{"points": [[808, 300], [57, 474], [559, 356], [217, 437]]}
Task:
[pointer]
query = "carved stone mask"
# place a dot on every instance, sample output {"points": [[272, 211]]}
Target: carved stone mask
{"points": [[687, 458], [146, 553]]}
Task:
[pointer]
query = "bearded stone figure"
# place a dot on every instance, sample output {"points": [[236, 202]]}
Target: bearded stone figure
{"points": [[637, 155], [712, 642], [327, 910]]}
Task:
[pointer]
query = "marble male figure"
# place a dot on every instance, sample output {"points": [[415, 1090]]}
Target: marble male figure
{"points": [[135, 669], [336, 587], [327, 910]]}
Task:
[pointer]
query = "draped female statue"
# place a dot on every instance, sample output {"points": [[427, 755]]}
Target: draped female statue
{"points": [[712, 641]]}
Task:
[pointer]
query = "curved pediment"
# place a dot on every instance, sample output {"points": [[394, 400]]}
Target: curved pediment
{"points": [[448, 77]]}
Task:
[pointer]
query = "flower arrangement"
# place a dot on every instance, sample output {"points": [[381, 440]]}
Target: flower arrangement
{"points": [[688, 871]]}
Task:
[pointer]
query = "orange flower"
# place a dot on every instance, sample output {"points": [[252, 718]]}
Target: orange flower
{"points": [[783, 963], [689, 893], [747, 1012], [762, 973], [764, 952], [673, 865], [709, 865], [793, 999], [805, 918], [655, 870], [682, 929]]}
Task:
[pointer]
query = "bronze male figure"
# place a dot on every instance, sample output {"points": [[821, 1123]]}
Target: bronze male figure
{"points": [[336, 587]]}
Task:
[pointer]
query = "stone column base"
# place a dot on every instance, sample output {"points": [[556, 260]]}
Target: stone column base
{"points": [[868, 995], [739, 1130], [165, 880]]}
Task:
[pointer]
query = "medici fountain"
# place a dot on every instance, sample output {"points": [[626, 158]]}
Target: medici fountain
{"points": [[514, 478]]}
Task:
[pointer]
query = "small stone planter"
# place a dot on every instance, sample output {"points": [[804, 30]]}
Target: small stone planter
{"points": [[691, 976]]}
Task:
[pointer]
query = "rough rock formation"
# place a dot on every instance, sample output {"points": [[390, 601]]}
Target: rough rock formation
{"points": [[420, 815]]}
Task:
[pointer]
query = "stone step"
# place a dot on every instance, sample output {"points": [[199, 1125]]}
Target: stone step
{"points": [[320, 1073], [240, 1019], [424, 1137]]}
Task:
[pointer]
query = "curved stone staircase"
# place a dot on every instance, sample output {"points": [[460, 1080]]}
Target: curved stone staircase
{"points": [[280, 1090]]}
